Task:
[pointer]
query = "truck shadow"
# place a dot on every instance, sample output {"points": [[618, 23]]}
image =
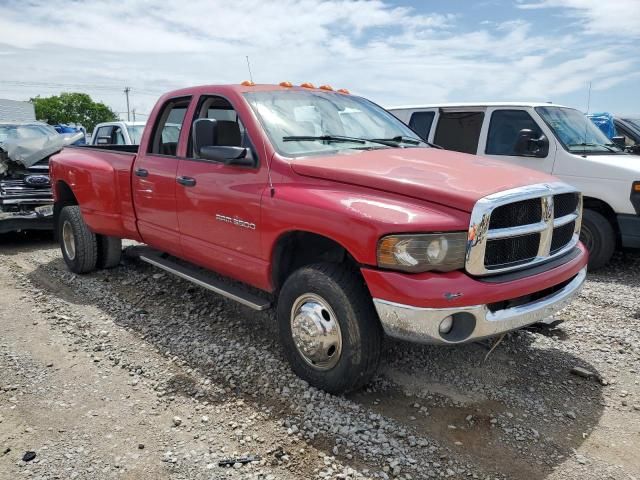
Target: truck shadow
{"points": [[520, 412], [26, 241]]}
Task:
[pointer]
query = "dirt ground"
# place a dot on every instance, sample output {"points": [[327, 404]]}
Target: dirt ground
{"points": [[132, 374]]}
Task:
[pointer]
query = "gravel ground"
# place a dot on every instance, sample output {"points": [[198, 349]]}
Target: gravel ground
{"points": [[132, 373]]}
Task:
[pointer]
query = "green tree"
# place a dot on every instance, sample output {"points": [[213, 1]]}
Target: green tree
{"points": [[77, 108]]}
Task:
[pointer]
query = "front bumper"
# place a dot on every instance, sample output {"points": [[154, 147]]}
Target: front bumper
{"points": [[471, 323], [12, 222], [629, 230]]}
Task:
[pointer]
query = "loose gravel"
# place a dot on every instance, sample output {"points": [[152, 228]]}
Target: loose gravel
{"points": [[210, 377]]}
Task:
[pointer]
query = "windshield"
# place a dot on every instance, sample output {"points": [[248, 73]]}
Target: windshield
{"points": [[301, 123], [633, 121], [135, 133], [575, 131]]}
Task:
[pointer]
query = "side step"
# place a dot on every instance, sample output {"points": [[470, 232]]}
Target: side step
{"points": [[202, 279]]}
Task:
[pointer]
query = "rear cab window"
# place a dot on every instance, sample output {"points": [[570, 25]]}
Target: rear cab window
{"points": [[459, 131], [504, 128]]}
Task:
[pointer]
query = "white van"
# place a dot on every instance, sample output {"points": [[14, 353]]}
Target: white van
{"points": [[558, 140]]}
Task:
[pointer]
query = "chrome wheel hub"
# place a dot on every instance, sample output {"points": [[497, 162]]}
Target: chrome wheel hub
{"points": [[316, 332], [68, 240]]}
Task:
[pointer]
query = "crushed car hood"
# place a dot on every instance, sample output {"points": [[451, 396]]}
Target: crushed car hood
{"points": [[29, 151], [440, 176]]}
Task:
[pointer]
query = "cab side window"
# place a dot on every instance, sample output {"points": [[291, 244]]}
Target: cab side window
{"points": [[103, 135], [166, 133], [459, 131], [231, 130], [504, 129], [420, 122], [118, 136]]}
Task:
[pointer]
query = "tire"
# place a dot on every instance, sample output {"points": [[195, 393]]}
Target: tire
{"points": [[78, 244], [344, 300], [598, 236], [109, 251]]}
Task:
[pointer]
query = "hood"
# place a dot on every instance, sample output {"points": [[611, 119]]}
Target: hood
{"points": [[449, 178], [621, 166]]}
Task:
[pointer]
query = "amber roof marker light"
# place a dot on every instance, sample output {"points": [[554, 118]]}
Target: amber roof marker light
{"points": [[344, 91], [329, 88], [247, 83], [307, 85], [286, 84]]}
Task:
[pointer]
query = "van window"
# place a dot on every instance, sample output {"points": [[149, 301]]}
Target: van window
{"points": [[167, 129], [459, 131], [420, 122], [504, 128]]}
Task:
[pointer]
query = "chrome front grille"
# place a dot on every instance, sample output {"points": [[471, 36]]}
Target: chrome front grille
{"points": [[522, 227]]}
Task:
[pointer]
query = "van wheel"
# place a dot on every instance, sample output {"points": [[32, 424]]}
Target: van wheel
{"points": [[598, 236], [78, 244], [329, 328], [109, 251]]}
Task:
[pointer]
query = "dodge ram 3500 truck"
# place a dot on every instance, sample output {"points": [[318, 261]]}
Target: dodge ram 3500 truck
{"points": [[328, 206]]}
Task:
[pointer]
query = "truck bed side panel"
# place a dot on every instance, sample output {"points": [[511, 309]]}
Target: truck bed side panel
{"points": [[101, 182]]}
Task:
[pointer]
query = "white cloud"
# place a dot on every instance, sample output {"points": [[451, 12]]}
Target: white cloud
{"points": [[614, 18], [389, 53]]}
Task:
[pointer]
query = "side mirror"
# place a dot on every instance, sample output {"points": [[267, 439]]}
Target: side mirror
{"points": [[205, 135], [205, 132], [103, 141], [228, 155], [619, 141], [529, 146]]}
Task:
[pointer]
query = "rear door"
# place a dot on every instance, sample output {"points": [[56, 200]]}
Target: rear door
{"points": [[154, 179], [501, 132], [458, 129], [219, 205]]}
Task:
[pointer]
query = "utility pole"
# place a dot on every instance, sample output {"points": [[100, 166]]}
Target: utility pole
{"points": [[126, 92], [134, 114]]}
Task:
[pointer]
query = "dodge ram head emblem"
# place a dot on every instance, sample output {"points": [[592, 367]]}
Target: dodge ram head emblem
{"points": [[37, 180]]}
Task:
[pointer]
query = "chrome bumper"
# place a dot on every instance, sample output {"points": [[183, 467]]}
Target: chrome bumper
{"points": [[470, 323]]}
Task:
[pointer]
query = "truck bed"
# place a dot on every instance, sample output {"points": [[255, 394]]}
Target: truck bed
{"points": [[104, 194]]}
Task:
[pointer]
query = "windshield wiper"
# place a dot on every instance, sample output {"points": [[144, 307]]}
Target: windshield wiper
{"points": [[323, 138], [584, 144], [396, 140]]}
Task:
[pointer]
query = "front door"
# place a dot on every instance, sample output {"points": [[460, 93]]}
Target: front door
{"points": [[154, 180], [500, 134], [219, 205]]}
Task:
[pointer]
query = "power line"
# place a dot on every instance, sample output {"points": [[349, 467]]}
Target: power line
{"points": [[97, 87]]}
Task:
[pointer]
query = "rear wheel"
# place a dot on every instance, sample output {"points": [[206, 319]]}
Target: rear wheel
{"points": [[329, 328], [598, 236], [78, 244], [109, 251]]}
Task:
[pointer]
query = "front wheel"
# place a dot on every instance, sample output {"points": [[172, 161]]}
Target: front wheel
{"points": [[329, 328], [78, 243], [598, 236]]}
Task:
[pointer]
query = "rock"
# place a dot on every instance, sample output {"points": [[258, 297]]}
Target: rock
{"points": [[141, 446], [28, 456], [582, 372], [177, 421], [571, 415]]}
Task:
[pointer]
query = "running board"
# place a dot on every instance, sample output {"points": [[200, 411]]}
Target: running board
{"points": [[202, 279]]}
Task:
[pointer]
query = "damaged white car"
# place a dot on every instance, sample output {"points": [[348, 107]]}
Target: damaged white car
{"points": [[26, 202]]}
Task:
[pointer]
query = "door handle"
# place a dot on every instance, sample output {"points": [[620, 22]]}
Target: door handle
{"points": [[141, 172], [186, 181]]}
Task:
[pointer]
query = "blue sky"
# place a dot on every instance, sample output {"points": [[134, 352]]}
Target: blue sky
{"points": [[398, 52]]}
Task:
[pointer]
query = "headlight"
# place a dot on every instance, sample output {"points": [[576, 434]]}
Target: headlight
{"points": [[423, 252]]}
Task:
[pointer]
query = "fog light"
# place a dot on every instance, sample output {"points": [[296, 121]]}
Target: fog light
{"points": [[446, 324]]}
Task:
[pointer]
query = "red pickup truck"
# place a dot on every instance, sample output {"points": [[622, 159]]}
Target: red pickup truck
{"points": [[325, 204]]}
